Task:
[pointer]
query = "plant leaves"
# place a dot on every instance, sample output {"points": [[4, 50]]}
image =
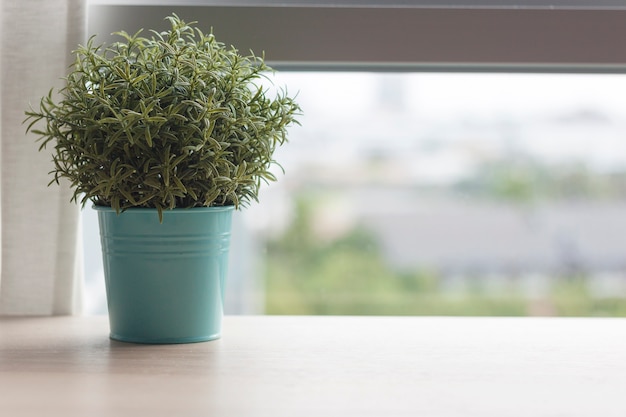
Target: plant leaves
{"points": [[171, 120]]}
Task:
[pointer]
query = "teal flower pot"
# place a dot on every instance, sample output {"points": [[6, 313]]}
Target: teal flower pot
{"points": [[165, 281]]}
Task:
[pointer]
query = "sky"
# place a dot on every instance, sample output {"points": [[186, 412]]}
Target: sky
{"points": [[432, 95], [553, 116]]}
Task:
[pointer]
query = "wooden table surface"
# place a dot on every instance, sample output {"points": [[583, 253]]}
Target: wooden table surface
{"points": [[319, 366]]}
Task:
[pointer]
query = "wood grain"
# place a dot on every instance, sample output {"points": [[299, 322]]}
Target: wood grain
{"points": [[319, 366]]}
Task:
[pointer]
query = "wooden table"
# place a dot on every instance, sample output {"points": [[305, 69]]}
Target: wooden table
{"points": [[319, 366]]}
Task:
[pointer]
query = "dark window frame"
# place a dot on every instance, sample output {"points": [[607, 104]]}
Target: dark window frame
{"points": [[411, 35]]}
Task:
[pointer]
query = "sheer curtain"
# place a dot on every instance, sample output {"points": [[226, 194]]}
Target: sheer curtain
{"points": [[41, 254]]}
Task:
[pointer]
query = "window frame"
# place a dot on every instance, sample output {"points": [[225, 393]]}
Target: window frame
{"points": [[409, 35]]}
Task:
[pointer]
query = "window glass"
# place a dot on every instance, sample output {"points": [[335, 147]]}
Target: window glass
{"points": [[437, 194]]}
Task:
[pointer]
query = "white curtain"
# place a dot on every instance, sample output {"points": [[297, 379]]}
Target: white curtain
{"points": [[41, 254]]}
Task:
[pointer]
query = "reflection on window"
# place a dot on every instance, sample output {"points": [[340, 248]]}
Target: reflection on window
{"points": [[443, 194]]}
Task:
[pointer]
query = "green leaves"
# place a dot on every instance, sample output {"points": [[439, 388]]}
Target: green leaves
{"points": [[175, 120]]}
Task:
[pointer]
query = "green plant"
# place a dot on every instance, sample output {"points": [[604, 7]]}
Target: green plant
{"points": [[174, 120]]}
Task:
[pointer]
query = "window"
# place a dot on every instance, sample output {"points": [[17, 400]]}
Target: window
{"points": [[495, 148]]}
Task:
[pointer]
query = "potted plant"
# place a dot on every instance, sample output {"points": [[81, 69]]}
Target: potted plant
{"points": [[166, 135]]}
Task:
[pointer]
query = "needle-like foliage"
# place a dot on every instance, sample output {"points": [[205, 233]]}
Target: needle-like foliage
{"points": [[174, 120]]}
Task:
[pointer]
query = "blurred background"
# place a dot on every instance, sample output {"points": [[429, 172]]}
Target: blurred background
{"points": [[435, 194]]}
